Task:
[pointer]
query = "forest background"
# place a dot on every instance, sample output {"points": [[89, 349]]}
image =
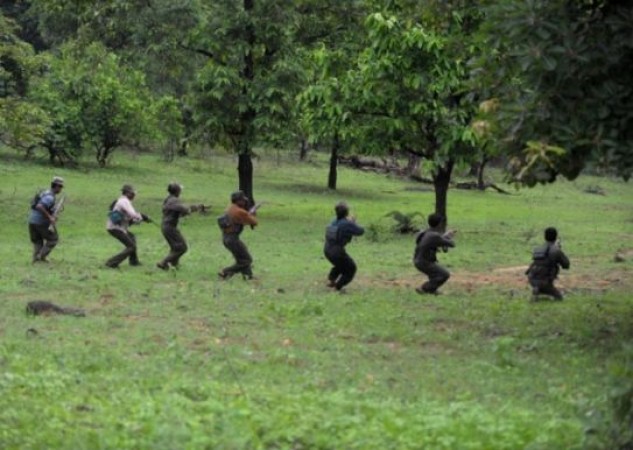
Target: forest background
{"points": [[430, 90]]}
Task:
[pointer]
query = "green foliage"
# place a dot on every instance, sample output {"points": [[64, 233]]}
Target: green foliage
{"points": [[94, 101], [622, 397], [559, 71], [22, 123], [404, 222]]}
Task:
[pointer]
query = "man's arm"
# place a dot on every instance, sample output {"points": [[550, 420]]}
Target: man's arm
{"points": [[125, 205], [562, 259], [243, 217]]}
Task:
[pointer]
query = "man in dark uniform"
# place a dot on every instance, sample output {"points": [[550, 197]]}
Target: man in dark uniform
{"points": [[232, 225], [42, 221], [337, 235], [546, 261], [173, 210], [425, 256]]}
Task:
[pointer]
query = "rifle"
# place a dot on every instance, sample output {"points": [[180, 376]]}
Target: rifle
{"points": [[201, 208], [59, 207], [255, 207]]}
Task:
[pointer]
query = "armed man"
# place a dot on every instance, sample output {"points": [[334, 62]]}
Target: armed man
{"points": [[546, 262], [425, 257], [173, 210], [232, 224], [122, 214], [43, 220], [337, 235]]}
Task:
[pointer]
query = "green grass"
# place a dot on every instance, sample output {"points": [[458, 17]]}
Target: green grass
{"points": [[181, 360]]}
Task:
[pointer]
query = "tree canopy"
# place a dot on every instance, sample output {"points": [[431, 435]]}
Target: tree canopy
{"points": [[544, 84]]}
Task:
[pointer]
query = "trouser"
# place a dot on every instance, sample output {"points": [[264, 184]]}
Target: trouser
{"points": [[44, 239], [177, 245], [243, 259], [545, 287], [344, 266], [437, 274], [129, 240]]}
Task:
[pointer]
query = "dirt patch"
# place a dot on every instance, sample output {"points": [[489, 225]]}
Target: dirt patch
{"points": [[514, 278]]}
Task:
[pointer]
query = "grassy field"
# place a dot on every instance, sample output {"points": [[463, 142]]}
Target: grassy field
{"points": [[181, 360]]}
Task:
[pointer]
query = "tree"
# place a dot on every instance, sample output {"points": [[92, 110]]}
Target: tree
{"points": [[408, 92], [22, 123], [560, 73], [93, 101]]}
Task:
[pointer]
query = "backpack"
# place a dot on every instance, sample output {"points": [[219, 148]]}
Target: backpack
{"points": [[36, 199], [116, 217], [224, 221], [332, 234]]}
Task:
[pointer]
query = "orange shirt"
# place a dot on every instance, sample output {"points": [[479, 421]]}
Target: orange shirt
{"points": [[239, 217]]}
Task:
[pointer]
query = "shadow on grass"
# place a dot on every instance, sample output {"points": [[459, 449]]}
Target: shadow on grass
{"points": [[306, 188]]}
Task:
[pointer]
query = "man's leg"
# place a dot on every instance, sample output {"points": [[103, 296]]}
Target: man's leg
{"points": [[177, 246], [438, 275], [50, 238], [333, 256], [242, 257], [347, 267], [36, 240], [548, 288], [127, 239]]}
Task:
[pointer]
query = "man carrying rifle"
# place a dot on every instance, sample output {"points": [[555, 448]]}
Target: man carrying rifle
{"points": [[232, 224], [546, 261], [173, 210], [122, 214], [43, 220], [427, 243]]}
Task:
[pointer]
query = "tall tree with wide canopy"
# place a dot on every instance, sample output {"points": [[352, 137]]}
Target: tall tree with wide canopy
{"points": [[560, 73], [247, 85], [408, 90]]}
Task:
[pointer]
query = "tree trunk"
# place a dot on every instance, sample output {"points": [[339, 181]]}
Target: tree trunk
{"points": [[245, 175], [441, 180], [244, 150], [331, 179], [303, 151], [480, 174]]}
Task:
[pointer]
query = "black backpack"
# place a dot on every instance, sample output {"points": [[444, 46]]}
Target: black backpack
{"points": [[36, 198]]}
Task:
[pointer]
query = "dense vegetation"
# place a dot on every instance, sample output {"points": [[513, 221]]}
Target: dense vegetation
{"points": [[154, 91], [543, 84]]}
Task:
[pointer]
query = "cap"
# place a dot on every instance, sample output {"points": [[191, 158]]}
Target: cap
{"points": [[59, 181], [238, 195], [128, 189]]}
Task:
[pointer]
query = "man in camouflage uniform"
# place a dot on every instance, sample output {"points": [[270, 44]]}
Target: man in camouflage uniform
{"points": [[425, 257], [546, 262], [237, 215], [42, 221], [173, 210]]}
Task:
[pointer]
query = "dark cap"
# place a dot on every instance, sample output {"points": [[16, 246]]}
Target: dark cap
{"points": [[128, 189], [237, 196]]}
